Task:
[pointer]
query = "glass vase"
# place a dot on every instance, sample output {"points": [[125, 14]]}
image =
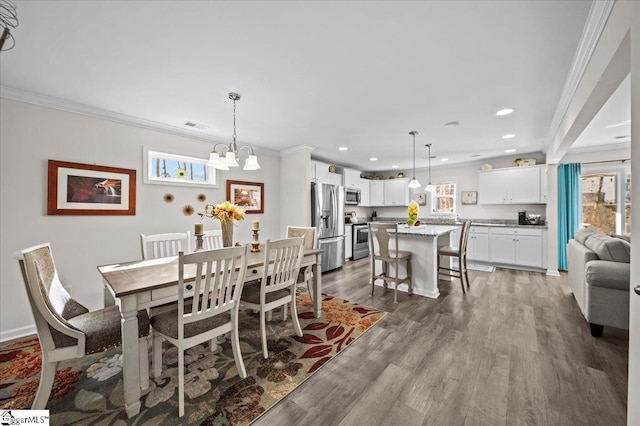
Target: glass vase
{"points": [[227, 233]]}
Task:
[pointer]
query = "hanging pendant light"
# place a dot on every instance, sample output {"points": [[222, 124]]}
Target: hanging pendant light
{"points": [[229, 155], [429, 187], [414, 182]]}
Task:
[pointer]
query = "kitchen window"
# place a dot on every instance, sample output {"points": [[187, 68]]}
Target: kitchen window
{"points": [[443, 200]]}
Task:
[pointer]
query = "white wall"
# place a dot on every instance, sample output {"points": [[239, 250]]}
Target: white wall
{"points": [[295, 186], [30, 135], [467, 178]]}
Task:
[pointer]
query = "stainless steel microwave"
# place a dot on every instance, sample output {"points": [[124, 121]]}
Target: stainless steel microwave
{"points": [[352, 196]]}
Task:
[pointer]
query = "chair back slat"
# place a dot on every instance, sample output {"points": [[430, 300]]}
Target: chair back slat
{"points": [[212, 239], [286, 256], [216, 288], [165, 245]]}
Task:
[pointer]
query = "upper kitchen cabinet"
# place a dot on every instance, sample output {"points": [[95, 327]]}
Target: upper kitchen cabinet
{"points": [[352, 178], [396, 192], [376, 193], [319, 172], [517, 185], [365, 192]]}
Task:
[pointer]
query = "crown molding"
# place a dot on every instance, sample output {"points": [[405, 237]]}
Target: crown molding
{"points": [[296, 149], [102, 114], [596, 21]]}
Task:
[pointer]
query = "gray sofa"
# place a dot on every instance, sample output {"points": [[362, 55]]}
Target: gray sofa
{"points": [[599, 276]]}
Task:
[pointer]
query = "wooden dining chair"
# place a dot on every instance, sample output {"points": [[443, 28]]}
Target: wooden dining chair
{"points": [[207, 306], [165, 245], [66, 329], [460, 253], [212, 239], [278, 284], [383, 247], [309, 234]]}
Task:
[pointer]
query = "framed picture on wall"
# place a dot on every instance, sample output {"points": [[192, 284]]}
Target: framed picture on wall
{"points": [[469, 197], [420, 198], [88, 189], [248, 195]]}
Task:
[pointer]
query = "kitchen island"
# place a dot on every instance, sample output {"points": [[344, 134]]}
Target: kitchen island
{"points": [[423, 242]]}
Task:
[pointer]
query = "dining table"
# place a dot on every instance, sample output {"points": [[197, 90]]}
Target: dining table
{"points": [[145, 284]]}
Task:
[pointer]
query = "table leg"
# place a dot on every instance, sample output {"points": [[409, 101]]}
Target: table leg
{"points": [[317, 287], [130, 355]]}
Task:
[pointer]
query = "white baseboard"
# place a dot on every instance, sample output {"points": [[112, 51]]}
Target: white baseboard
{"points": [[553, 272], [419, 291], [17, 333]]}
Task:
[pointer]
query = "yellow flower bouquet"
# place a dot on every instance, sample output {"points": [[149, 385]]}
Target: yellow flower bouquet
{"points": [[224, 212], [413, 213]]}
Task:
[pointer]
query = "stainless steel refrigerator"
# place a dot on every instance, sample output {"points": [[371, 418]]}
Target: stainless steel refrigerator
{"points": [[327, 216]]}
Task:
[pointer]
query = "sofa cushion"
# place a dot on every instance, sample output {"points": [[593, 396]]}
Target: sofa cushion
{"points": [[627, 238], [609, 248], [604, 274], [582, 234]]}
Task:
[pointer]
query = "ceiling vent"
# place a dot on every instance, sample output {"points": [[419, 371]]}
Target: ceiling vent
{"points": [[195, 125]]}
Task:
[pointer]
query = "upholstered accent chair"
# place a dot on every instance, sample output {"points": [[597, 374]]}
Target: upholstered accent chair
{"points": [[460, 253], [278, 284], [309, 234], [207, 306], [165, 245], [66, 329], [383, 247]]}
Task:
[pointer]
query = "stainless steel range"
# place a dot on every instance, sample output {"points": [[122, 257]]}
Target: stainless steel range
{"points": [[360, 241]]}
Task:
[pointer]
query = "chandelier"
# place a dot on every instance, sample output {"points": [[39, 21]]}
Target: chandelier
{"points": [[225, 155], [414, 182]]}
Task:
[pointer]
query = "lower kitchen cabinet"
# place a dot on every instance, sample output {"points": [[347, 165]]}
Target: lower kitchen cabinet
{"points": [[478, 244], [517, 246], [348, 242]]}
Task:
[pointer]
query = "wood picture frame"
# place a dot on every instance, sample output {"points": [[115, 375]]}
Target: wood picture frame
{"points": [[89, 189], [248, 195], [469, 197]]}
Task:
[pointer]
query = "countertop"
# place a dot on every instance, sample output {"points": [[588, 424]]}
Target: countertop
{"points": [[475, 222], [426, 230]]}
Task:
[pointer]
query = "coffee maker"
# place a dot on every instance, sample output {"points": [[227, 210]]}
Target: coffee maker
{"points": [[522, 218]]}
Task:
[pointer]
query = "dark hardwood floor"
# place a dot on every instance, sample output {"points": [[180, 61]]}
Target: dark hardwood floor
{"points": [[514, 350]]}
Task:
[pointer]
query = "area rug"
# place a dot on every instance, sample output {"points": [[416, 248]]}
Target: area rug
{"points": [[89, 391]]}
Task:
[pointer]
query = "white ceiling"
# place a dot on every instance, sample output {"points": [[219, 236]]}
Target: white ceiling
{"points": [[325, 74]]}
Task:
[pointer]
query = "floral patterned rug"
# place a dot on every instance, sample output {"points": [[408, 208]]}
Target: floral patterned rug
{"points": [[89, 391]]}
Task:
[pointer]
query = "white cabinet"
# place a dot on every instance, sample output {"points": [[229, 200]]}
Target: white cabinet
{"points": [[365, 193], [351, 178], [478, 243], [348, 241], [376, 193], [516, 185], [319, 172], [517, 246], [396, 192]]}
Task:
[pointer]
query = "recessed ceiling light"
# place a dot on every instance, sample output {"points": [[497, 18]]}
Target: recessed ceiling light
{"points": [[509, 151], [509, 136], [444, 159], [373, 159], [452, 124], [343, 148], [505, 111], [395, 166]]}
